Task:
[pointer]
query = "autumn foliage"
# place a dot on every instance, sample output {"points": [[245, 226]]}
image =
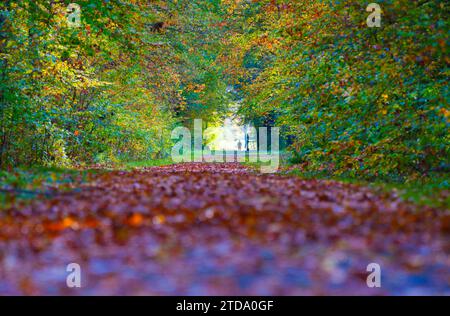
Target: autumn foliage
{"points": [[86, 109], [221, 229], [351, 99], [110, 89]]}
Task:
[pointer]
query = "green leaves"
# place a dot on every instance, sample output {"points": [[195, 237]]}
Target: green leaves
{"points": [[335, 75]]}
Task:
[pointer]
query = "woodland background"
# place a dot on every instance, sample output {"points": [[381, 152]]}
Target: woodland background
{"points": [[354, 101]]}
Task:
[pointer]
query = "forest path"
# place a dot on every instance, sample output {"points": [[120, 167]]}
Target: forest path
{"points": [[198, 229]]}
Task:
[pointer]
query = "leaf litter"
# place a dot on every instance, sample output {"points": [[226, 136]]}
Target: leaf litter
{"points": [[222, 229]]}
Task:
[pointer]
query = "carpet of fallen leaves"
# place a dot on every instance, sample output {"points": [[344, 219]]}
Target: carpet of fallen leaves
{"points": [[222, 229]]}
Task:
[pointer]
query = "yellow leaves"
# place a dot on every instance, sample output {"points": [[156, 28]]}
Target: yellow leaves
{"points": [[53, 177], [197, 88], [59, 14], [231, 5], [158, 219], [60, 67], [396, 107], [69, 222], [53, 90], [335, 88], [264, 40], [63, 71], [10, 44]]}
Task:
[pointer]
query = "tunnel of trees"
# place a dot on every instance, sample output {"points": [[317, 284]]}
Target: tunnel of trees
{"points": [[348, 98]]}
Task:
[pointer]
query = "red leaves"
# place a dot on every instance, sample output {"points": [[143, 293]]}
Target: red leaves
{"points": [[221, 229]]}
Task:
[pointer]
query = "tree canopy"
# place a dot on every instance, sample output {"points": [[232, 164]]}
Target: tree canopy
{"points": [[367, 101]]}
